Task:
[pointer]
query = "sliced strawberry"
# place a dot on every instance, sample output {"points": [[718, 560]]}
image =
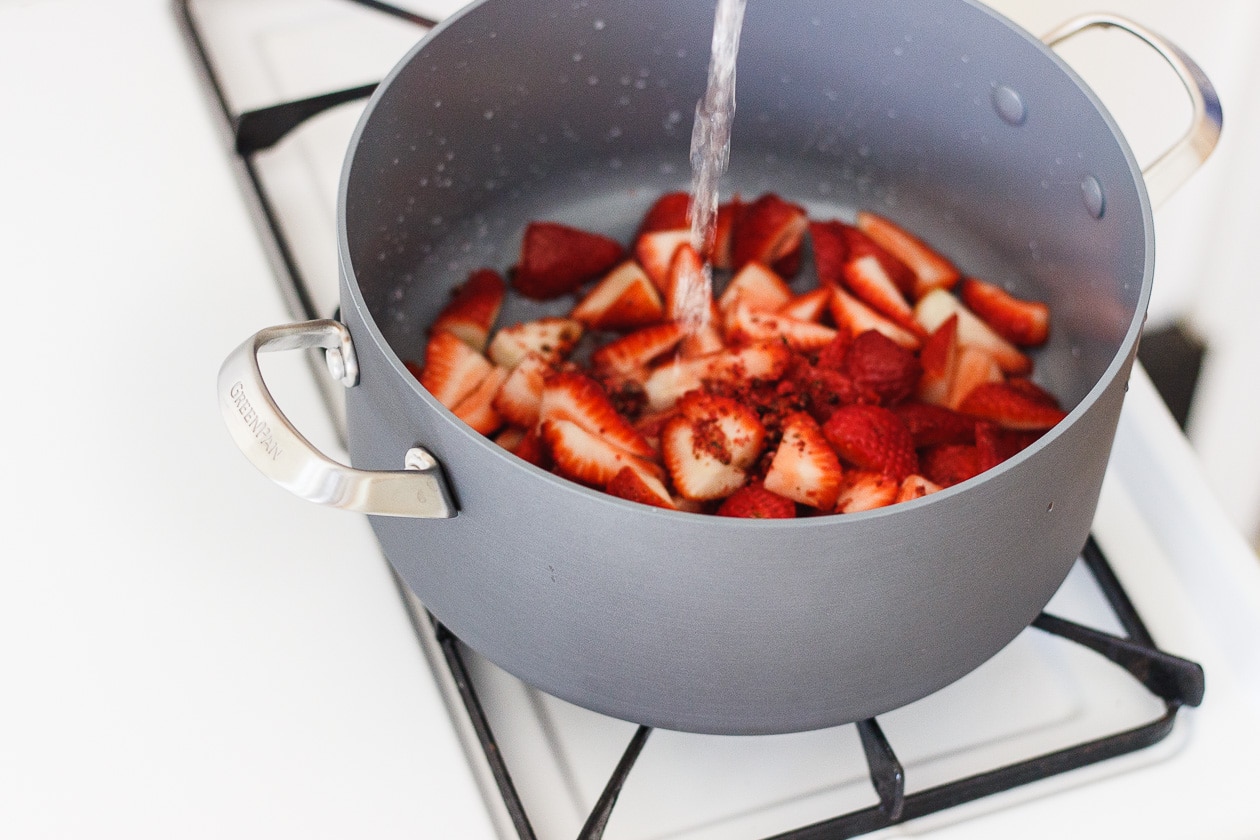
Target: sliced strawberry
{"points": [[1010, 408], [831, 251], [745, 324], [867, 279], [555, 259], [873, 438], [948, 464], [865, 490], [931, 425], [881, 368], [705, 341], [709, 445], [727, 217], [753, 501], [862, 246], [473, 307], [757, 286], [639, 487], [915, 487], [654, 251], [452, 370], [575, 397], [477, 409], [1022, 322], [768, 230], [856, 317], [931, 270], [669, 212], [808, 306], [520, 396], [625, 299], [523, 443], [551, 338], [630, 355], [688, 291], [760, 361], [587, 458], [938, 305], [975, 367], [805, 467], [939, 358]]}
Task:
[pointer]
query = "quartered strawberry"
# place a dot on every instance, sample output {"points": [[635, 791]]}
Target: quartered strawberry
{"points": [[931, 425], [862, 246], [709, 445], [1033, 391], [524, 444], [757, 286], [1010, 407], [452, 370], [768, 231], [625, 299], [915, 487], [938, 305], [820, 390], [520, 396], [639, 487], [753, 501], [883, 370], [630, 355], [745, 324], [948, 464], [867, 279], [931, 269], [586, 457], [669, 212], [654, 251], [688, 291], [807, 306], [551, 338], [939, 358], [865, 490], [556, 259], [473, 307], [995, 444], [575, 397], [856, 317], [873, 438], [831, 251], [975, 367], [1025, 323], [804, 468], [724, 231], [477, 409]]}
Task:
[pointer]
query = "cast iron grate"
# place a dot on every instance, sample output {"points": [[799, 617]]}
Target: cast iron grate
{"points": [[1175, 681]]}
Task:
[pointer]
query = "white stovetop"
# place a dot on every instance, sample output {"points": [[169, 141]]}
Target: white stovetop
{"points": [[187, 651]]}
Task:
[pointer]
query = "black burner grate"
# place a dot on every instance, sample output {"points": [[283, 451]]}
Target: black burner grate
{"points": [[1177, 682]]}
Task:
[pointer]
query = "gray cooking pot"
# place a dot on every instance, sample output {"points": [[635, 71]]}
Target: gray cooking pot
{"points": [[938, 113]]}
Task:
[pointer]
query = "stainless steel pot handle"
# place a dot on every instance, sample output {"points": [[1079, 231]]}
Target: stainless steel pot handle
{"points": [[1173, 167], [272, 444]]}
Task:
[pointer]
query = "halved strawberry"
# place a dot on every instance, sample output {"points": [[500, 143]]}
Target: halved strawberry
{"points": [[551, 338], [625, 299], [630, 355], [938, 305], [831, 251], [639, 487], [555, 259], [477, 409], [452, 370], [669, 212], [931, 425], [473, 307], [587, 458], [883, 370], [865, 490], [915, 487], [746, 324], [873, 438], [753, 501], [1010, 407], [856, 317], [867, 279], [768, 230], [710, 444], [520, 396], [931, 270], [654, 251], [939, 358], [808, 306], [758, 286], [1022, 322], [948, 464], [805, 467], [574, 396]]}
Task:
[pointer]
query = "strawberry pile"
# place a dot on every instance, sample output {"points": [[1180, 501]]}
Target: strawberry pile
{"points": [[892, 377]]}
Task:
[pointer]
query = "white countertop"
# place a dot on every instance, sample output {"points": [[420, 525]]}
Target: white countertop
{"points": [[186, 650]]}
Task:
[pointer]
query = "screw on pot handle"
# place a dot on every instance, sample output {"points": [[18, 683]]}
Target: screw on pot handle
{"points": [[273, 445], [1174, 166]]}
